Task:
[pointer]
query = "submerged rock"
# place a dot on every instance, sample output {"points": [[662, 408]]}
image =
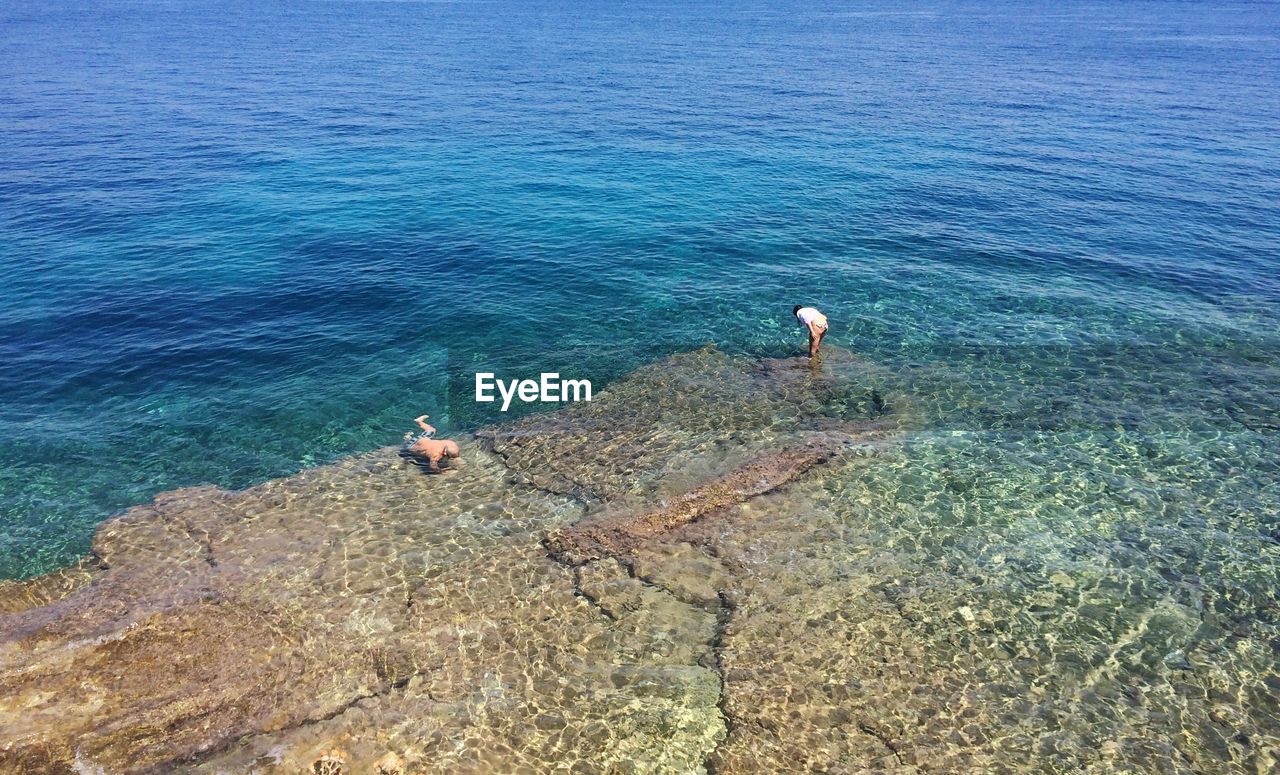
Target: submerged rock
{"points": [[620, 534], [362, 617], [674, 425], [689, 437], [698, 571]]}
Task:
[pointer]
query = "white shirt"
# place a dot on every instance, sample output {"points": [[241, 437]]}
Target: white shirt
{"points": [[810, 315]]}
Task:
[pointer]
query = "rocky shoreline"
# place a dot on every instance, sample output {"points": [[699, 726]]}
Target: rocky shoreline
{"points": [[563, 600], [722, 564]]}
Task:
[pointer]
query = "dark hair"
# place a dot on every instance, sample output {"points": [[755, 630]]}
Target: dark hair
{"points": [[796, 309]]}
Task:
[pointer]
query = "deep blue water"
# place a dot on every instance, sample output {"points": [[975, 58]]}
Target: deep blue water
{"points": [[239, 239]]}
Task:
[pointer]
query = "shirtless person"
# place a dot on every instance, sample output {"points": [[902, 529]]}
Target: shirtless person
{"points": [[427, 452], [816, 322]]}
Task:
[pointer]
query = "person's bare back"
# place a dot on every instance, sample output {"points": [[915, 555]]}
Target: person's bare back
{"points": [[428, 452], [435, 450]]}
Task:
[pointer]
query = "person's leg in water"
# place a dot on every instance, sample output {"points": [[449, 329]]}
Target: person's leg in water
{"points": [[426, 427], [816, 335]]}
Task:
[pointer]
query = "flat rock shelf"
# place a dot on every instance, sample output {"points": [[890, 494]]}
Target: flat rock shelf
{"points": [[683, 575], [365, 617]]}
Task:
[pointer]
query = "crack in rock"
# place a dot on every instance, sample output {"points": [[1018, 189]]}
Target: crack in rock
{"points": [[868, 729], [619, 534], [723, 615]]}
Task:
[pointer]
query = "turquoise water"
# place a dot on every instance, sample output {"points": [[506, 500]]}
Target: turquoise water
{"points": [[244, 239]]}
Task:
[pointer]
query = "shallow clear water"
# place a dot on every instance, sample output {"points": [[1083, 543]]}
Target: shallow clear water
{"points": [[725, 563]]}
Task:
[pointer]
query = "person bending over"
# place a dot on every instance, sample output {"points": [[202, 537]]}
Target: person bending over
{"points": [[815, 322], [427, 452]]}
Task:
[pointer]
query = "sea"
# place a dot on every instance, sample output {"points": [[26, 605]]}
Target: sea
{"points": [[239, 240]]}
